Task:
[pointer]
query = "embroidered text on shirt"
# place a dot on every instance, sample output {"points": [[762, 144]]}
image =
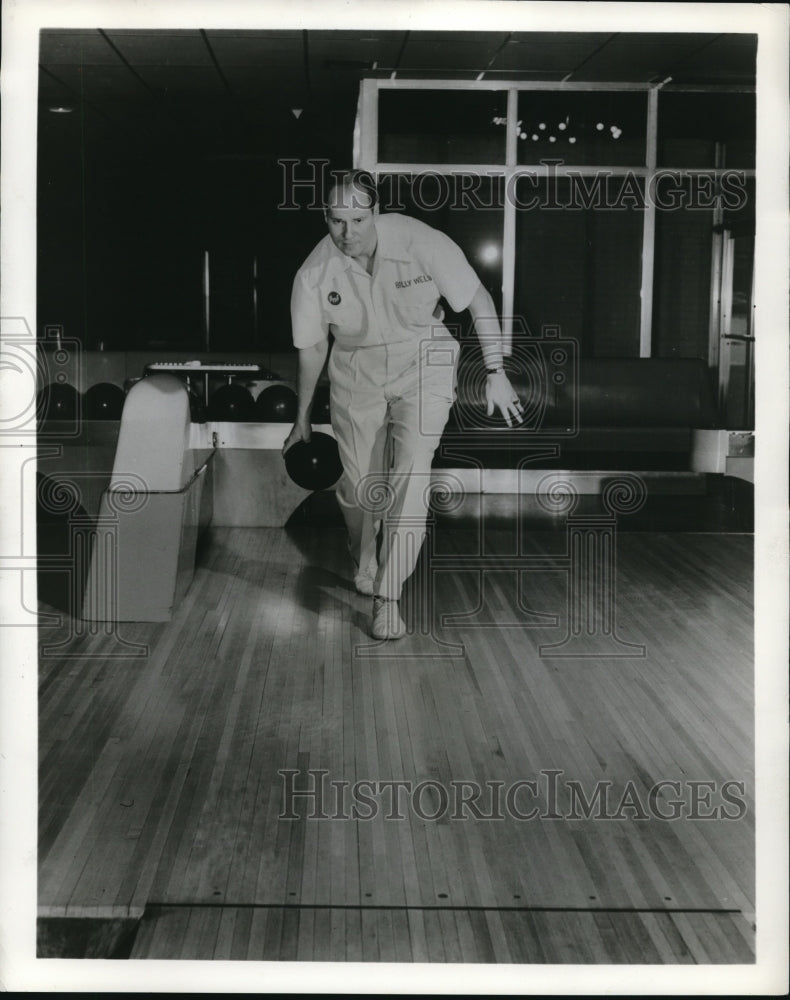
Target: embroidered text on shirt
{"points": [[419, 280]]}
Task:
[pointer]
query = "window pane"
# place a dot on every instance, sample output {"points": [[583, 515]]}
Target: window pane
{"points": [[602, 127], [441, 126], [690, 125], [681, 283], [738, 352], [684, 245], [580, 268]]}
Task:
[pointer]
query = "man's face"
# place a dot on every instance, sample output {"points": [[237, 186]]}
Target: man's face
{"points": [[351, 222]]}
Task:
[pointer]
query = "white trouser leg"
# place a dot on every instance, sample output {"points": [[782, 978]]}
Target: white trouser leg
{"points": [[359, 421], [389, 409], [413, 448], [420, 404]]}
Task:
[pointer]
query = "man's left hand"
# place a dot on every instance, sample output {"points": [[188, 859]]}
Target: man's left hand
{"points": [[501, 395]]}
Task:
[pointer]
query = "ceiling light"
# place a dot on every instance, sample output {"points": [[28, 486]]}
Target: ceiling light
{"points": [[61, 109]]}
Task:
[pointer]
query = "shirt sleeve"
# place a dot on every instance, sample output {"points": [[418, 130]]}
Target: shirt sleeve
{"points": [[454, 276], [308, 326]]}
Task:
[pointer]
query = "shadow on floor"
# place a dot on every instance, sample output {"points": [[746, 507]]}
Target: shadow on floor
{"points": [[85, 937]]}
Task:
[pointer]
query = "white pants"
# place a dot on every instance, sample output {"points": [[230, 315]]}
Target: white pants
{"points": [[389, 408]]}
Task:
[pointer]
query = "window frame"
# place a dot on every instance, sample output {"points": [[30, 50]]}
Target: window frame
{"points": [[366, 136]]}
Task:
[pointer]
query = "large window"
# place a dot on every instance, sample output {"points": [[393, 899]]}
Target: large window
{"points": [[609, 198], [578, 268]]}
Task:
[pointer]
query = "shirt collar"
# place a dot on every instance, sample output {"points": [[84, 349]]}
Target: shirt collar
{"points": [[337, 259]]}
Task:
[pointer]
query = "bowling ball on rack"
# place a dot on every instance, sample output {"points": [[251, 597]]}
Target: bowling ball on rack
{"points": [[58, 401], [231, 402], [314, 464], [104, 401], [276, 404], [320, 413]]}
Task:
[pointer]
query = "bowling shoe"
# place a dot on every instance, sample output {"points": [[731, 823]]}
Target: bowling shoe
{"points": [[387, 622], [363, 578], [364, 582]]}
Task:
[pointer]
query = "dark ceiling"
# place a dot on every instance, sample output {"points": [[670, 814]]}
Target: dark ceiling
{"points": [[176, 142], [229, 91]]}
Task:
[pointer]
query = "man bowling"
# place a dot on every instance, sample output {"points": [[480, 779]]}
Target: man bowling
{"points": [[374, 283]]}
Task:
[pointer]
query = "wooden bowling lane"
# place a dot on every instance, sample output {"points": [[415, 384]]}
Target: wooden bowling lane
{"points": [[355, 934], [160, 795]]}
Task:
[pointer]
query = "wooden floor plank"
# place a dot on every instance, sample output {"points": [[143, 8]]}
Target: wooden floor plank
{"points": [[201, 933], [169, 932], [337, 934], [353, 935], [401, 936], [160, 781], [242, 935], [322, 935], [433, 936], [418, 938], [290, 935], [225, 795], [739, 936], [144, 937], [482, 949], [306, 946], [451, 935], [223, 946], [369, 936], [656, 926], [252, 946]]}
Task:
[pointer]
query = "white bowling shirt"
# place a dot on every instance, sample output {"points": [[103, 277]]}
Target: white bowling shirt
{"points": [[414, 265]]}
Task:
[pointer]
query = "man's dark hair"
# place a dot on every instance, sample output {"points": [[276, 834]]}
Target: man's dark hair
{"points": [[360, 180]]}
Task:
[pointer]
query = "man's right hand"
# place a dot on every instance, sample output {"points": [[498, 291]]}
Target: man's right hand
{"points": [[300, 431]]}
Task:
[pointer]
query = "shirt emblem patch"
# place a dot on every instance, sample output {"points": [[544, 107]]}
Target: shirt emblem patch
{"points": [[334, 298]]}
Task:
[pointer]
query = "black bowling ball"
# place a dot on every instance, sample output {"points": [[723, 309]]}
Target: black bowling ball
{"points": [[231, 402], [58, 401], [104, 401], [320, 413], [277, 404], [315, 464]]}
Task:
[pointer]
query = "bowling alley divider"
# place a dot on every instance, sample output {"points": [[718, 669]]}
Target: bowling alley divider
{"points": [[157, 503]]}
